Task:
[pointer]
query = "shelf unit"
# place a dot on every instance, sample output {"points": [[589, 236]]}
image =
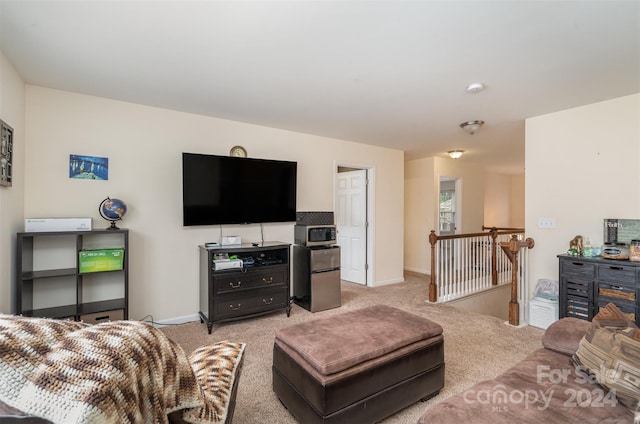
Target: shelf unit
{"points": [[232, 294], [589, 284], [49, 283]]}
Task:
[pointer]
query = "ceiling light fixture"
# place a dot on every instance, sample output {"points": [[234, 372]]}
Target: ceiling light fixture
{"points": [[475, 87], [455, 154], [471, 126]]}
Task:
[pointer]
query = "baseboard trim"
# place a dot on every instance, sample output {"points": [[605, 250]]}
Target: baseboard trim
{"points": [[388, 282], [417, 270], [177, 320]]}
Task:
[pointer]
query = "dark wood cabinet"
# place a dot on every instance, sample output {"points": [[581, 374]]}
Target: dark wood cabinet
{"points": [[51, 284], [261, 286], [588, 284]]}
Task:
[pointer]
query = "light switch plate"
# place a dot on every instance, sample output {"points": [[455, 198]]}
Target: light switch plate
{"points": [[546, 222]]}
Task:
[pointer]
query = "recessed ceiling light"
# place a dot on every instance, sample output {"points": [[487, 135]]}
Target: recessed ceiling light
{"points": [[475, 87]]}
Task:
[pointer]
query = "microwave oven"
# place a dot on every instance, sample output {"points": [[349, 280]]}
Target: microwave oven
{"points": [[315, 235]]}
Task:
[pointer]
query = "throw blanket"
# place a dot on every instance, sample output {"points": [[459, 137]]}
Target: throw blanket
{"points": [[216, 367], [121, 371]]}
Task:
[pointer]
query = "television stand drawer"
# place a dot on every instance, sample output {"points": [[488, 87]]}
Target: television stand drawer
{"points": [[250, 303], [250, 279]]}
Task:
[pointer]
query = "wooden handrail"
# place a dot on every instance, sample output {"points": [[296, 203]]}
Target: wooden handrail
{"points": [[503, 228], [467, 235]]}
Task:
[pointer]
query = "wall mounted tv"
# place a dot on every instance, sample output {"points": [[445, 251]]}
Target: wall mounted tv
{"points": [[232, 190]]}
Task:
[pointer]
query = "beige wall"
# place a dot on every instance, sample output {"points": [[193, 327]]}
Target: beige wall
{"points": [[420, 212], [504, 200], [516, 201], [422, 178], [582, 166], [12, 98], [497, 199], [144, 147]]}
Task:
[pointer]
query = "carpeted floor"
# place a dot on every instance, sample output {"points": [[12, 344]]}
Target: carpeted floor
{"points": [[477, 347]]}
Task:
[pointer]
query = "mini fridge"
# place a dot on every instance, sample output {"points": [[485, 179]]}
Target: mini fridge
{"points": [[316, 277]]}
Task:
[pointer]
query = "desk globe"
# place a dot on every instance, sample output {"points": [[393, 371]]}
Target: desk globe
{"points": [[112, 210]]}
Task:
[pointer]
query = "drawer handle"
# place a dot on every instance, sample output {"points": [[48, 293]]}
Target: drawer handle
{"points": [[267, 281], [617, 268], [616, 288], [235, 308], [577, 263], [268, 302], [236, 287]]}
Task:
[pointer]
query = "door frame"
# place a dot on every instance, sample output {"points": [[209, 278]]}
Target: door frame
{"points": [[458, 202], [370, 211]]}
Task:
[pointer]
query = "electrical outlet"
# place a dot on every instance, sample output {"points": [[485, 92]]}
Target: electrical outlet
{"points": [[546, 223]]}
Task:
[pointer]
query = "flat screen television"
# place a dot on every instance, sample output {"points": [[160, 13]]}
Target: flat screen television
{"points": [[232, 190]]}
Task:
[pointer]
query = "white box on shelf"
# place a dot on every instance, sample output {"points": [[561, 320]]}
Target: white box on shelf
{"points": [[230, 240], [32, 225], [542, 312], [220, 264]]}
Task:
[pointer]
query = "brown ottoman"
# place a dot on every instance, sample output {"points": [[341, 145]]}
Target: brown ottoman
{"points": [[359, 366]]}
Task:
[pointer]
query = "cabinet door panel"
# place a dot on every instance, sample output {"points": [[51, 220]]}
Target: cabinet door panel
{"points": [[578, 288], [579, 307]]}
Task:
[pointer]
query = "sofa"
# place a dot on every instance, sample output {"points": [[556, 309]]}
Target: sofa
{"points": [[54, 371], [586, 372]]}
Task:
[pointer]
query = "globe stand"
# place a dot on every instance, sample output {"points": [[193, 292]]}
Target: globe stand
{"points": [[112, 210]]}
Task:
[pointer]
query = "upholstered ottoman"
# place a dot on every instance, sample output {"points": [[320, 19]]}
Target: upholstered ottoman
{"points": [[358, 366]]}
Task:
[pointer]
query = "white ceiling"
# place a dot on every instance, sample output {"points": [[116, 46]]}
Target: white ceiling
{"points": [[389, 73]]}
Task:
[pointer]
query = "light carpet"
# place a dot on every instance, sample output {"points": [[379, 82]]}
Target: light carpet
{"points": [[477, 347]]}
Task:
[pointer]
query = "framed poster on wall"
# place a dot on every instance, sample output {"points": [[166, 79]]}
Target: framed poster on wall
{"points": [[88, 167]]}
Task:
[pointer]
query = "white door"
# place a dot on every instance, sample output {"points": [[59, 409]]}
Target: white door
{"points": [[351, 221]]}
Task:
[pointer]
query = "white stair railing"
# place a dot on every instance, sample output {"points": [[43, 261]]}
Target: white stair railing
{"points": [[465, 264]]}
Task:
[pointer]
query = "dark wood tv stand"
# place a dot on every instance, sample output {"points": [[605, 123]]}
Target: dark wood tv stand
{"points": [[232, 294]]}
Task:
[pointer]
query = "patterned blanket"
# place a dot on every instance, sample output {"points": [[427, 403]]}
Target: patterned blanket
{"points": [[121, 371]]}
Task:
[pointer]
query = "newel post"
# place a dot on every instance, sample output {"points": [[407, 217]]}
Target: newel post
{"points": [[514, 307], [514, 247], [433, 289]]}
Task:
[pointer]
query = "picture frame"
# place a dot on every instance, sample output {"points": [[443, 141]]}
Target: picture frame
{"points": [[6, 154], [85, 167]]}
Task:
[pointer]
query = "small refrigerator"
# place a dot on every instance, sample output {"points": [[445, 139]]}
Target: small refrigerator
{"points": [[316, 277]]}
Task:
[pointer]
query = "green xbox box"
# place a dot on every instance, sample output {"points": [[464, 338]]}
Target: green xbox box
{"points": [[99, 260]]}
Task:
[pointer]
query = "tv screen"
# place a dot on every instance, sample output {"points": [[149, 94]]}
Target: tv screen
{"points": [[232, 190]]}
